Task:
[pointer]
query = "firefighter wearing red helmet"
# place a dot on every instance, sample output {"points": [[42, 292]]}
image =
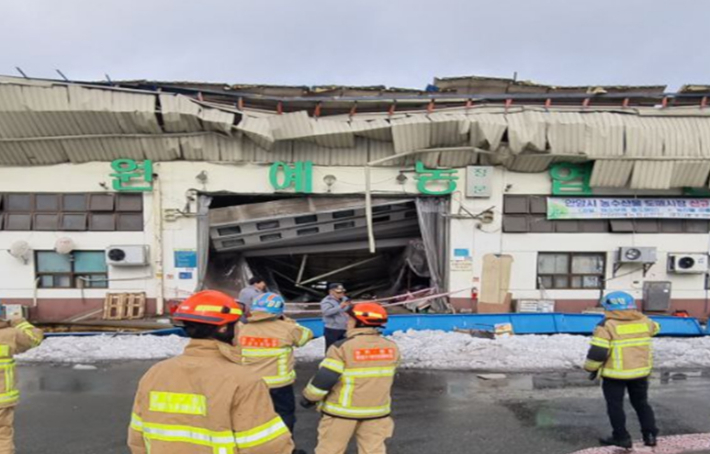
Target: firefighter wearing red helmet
{"points": [[204, 401], [353, 384]]}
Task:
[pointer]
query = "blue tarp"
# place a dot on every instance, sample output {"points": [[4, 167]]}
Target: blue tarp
{"points": [[522, 324]]}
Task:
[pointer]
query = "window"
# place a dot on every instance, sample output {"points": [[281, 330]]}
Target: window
{"points": [[51, 212], [570, 270], [80, 269]]}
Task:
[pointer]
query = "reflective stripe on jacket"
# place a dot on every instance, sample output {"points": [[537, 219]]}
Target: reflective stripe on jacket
{"points": [[16, 337], [355, 379], [267, 344], [204, 402], [621, 346]]}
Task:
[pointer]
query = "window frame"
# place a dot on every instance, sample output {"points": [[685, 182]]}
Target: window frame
{"points": [[569, 274], [73, 275]]}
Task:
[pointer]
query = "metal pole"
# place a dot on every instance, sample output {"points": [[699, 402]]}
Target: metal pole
{"points": [[158, 239], [345, 268], [303, 268]]}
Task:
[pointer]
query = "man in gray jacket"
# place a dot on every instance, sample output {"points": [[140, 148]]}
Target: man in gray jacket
{"points": [[335, 314]]}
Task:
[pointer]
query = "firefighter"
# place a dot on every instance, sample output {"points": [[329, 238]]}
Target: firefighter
{"points": [[267, 342], [204, 401], [621, 354], [16, 336], [352, 386]]}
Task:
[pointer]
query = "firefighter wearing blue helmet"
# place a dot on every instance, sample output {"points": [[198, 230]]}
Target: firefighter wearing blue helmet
{"points": [[267, 343], [620, 353]]}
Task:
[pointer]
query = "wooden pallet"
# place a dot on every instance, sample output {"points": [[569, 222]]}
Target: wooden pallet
{"points": [[124, 306]]}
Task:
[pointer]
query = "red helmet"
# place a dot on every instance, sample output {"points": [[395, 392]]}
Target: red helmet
{"points": [[370, 314], [209, 307]]}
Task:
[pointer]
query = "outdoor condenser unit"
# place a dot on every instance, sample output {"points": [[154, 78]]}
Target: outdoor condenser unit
{"points": [[688, 263], [644, 256], [134, 255]]}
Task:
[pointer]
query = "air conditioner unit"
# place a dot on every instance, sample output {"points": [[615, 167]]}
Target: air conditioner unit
{"points": [[688, 263], [127, 255], [635, 254]]}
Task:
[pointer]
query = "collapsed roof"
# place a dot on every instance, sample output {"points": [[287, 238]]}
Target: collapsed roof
{"points": [[638, 136]]}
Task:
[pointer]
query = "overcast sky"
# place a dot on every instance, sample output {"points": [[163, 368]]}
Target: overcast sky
{"points": [[404, 43]]}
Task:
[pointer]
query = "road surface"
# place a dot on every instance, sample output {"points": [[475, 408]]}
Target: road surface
{"points": [[67, 411]]}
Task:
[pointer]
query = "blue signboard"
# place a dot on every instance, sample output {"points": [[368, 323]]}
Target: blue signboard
{"points": [[185, 275], [185, 259]]}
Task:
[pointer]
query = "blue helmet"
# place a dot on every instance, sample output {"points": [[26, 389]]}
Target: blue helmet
{"points": [[272, 303], [619, 301]]}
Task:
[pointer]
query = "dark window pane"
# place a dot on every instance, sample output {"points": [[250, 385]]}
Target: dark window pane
{"points": [[74, 202], [130, 223], [47, 202], [102, 222], [46, 222], [567, 226], [545, 281], [410, 214], [270, 237], [267, 225], [515, 204], [310, 231], [344, 214], [622, 225], [646, 226], [101, 202], [233, 243], [515, 224], [538, 205], [18, 222], [2, 221], [306, 219], [129, 202], [73, 222], [380, 219], [227, 231], [381, 209], [696, 226], [344, 225], [671, 226], [541, 224], [18, 202], [594, 225]]}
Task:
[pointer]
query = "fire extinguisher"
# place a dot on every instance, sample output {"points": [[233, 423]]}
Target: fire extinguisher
{"points": [[474, 294]]}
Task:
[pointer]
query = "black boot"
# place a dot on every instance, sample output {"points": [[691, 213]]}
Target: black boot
{"points": [[298, 451], [649, 439], [625, 443]]}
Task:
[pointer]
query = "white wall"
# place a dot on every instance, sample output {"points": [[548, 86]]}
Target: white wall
{"points": [[524, 247]]}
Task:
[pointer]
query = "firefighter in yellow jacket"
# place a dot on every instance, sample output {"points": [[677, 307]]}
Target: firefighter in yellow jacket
{"points": [[16, 336], [204, 401], [267, 342], [353, 384], [621, 354]]}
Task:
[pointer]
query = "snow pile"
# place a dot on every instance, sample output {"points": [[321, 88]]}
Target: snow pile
{"points": [[420, 350], [90, 349]]}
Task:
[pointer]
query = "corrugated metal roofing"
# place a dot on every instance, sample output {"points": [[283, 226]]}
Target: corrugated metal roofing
{"points": [[690, 174], [449, 129], [652, 175], [296, 125], [411, 133], [611, 173], [487, 130], [375, 129], [333, 134], [527, 131], [258, 130]]}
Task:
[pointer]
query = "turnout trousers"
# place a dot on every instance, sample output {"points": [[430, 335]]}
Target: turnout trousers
{"points": [[7, 431], [334, 434], [614, 392], [285, 405]]}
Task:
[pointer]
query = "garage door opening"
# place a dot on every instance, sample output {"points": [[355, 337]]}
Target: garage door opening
{"points": [[300, 245]]}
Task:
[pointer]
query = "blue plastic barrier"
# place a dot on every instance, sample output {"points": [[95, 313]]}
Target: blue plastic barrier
{"points": [[522, 324]]}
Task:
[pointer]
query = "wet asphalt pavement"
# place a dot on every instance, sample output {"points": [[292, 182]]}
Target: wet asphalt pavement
{"points": [[66, 411]]}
